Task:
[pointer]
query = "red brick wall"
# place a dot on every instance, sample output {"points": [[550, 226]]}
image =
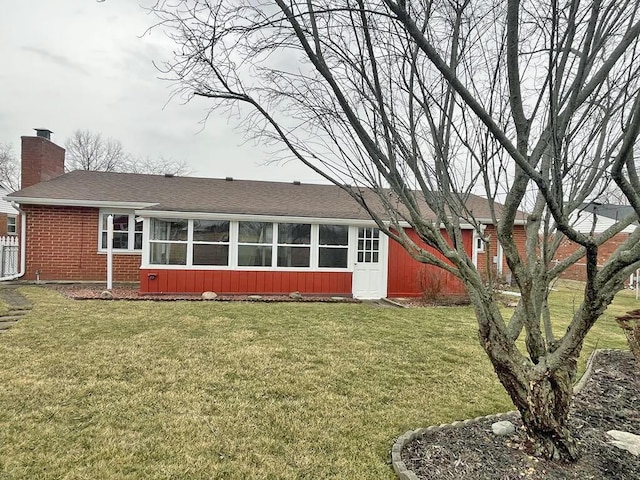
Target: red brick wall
{"points": [[485, 259], [62, 243], [41, 160], [578, 271]]}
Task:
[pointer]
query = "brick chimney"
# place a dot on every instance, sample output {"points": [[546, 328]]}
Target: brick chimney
{"points": [[41, 158]]}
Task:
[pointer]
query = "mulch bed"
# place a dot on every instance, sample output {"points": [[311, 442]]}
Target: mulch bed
{"points": [[93, 292], [609, 401]]}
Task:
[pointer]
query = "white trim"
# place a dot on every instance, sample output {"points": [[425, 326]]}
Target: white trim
{"points": [[253, 218], [79, 203], [131, 231]]}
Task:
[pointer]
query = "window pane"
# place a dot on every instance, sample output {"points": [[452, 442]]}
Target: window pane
{"points": [[210, 254], [254, 256], [294, 233], [168, 254], [137, 241], [138, 225], [120, 240], [255, 232], [120, 223], [334, 235], [210, 231], [169, 229], [293, 256], [333, 258]]}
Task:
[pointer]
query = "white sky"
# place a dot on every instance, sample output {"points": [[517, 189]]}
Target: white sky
{"points": [[81, 64]]}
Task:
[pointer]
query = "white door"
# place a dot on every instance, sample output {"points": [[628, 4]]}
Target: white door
{"points": [[369, 279]]}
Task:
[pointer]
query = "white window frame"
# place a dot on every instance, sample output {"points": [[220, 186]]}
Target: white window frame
{"points": [[131, 231], [279, 244], [234, 245], [12, 227], [188, 242], [193, 242]]}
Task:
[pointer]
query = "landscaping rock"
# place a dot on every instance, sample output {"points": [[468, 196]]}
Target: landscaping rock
{"points": [[106, 294], [504, 427], [254, 297], [209, 295], [295, 295], [625, 441]]}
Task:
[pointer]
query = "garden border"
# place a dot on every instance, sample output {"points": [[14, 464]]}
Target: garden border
{"points": [[400, 468]]}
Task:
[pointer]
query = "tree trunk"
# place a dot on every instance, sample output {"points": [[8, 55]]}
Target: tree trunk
{"points": [[546, 418], [543, 402]]}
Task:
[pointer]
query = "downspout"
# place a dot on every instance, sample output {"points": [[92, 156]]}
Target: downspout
{"points": [[23, 244]]}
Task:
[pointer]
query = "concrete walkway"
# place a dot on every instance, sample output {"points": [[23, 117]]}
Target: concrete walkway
{"points": [[18, 305]]}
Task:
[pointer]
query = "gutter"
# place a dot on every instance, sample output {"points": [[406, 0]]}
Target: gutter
{"points": [[23, 245]]}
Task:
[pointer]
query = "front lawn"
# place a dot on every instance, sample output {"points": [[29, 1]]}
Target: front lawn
{"points": [[92, 390]]}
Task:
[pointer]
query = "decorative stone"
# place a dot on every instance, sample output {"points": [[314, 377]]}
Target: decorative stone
{"points": [[254, 297], [295, 295], [106, 294], [502, 428], [209, 295], [337, 299], [625, 441]]}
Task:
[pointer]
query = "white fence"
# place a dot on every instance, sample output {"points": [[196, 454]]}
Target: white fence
{"points": [[8, 256]]}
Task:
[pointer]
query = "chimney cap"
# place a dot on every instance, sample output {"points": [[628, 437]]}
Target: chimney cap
{"points": [[43, 132]]}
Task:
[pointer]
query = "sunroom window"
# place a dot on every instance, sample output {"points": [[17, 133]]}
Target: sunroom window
{"points": [[294, 245], [255, 244], [168, 241], [127, 233], [333, 246], [210, 242]]}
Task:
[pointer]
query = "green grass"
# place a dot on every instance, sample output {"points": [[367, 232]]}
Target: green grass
{"points": [[102, 390]]}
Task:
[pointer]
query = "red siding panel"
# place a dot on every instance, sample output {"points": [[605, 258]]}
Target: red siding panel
{"points": [[406, 274], [245, 282]]}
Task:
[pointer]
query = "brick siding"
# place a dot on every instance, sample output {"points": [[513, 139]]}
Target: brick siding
{"points": [[62, 243], [41, 160], [578, 271], [486, 266]]}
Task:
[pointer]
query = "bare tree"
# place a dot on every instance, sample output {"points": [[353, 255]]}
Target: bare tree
{"points": [[9, 168], [424, 102], [157, 166], [87, 150]]}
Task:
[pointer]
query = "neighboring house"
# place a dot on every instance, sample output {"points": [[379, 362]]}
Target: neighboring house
{"points": [[595, 218], [8, 215], [182, 234]]}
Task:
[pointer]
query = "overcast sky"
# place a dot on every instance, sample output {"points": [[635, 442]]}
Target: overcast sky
{"points": [[81, 64]]}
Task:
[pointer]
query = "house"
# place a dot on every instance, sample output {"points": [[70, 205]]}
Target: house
{"points": [[180, 234], [8, 215], [596, 218]]}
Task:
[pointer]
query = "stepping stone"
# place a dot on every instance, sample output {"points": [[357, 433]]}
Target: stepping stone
{"points": [[7, 325]]}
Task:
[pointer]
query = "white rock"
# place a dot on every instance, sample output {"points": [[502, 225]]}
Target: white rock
{"points": [[625, 441], [504, 427], [209, 295], [254, 297], [295, 295], [106, 294]]}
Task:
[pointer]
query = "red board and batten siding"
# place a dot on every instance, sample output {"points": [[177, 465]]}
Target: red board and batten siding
{"points": [[404, 272], [244, 282], [62, 244]]}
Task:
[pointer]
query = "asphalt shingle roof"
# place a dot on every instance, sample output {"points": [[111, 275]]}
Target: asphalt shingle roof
{"points": [[191, 194]]}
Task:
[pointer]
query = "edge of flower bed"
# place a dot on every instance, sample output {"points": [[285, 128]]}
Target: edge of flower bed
{"points": [[400, 468]]}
